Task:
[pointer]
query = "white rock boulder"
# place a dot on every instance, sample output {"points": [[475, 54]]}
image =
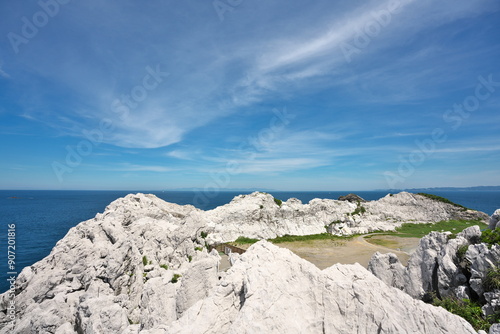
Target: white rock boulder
{"points": [[494, 220], [142, 265], [271, 290]]}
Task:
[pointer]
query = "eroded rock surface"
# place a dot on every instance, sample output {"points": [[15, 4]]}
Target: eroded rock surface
{"points": [[143, 265], [494, 220], [116, 270], [431, 268], [271, 290], [258, 216], [446, 267], [353, 198]]}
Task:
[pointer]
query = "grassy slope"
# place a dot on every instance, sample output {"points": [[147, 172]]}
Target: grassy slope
{"points": [[442, 199], [410, 230], [291, 238]]}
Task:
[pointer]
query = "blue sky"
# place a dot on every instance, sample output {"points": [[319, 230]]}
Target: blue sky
{"points": [[322, 95]]}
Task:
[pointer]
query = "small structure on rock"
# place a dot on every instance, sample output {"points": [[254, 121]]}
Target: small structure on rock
{"points": [[353, 198]]}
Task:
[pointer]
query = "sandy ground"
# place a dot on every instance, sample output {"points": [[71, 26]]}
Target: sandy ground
{"points": [[325, 253], [224, 262]]}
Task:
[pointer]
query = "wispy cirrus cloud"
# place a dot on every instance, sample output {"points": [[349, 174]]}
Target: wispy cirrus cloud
{"points": [[129, 167], [189, 99], [220, 82], [3, 73], [469, 149]]}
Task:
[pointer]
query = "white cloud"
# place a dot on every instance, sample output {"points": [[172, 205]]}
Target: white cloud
{"points": [[226, 74], [282, 165], [470, 149], [128, 167], [296, 58], [2, 71], [180, 154]]}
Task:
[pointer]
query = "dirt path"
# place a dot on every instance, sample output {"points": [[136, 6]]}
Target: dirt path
{"points": [[325, 253], [391, 242]]}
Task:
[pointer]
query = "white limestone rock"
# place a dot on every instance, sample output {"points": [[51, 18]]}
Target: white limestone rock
{"points": [[481, 259], [258, 216], [492, 305], [432, 267], [271, 290], [117, 260], [494, 220], [97, 315], [233, 257], [388, 269], [197, 282], [99, 265], [158, 303], [494, 329]]}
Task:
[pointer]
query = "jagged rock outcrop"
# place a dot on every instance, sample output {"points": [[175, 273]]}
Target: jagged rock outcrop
{"points": [[116, 269], [259, 216], [143, 263], [433, 267], [495, 329], [447, 267], [481, 258], [271, 290], [353, 198], [495, 220]]}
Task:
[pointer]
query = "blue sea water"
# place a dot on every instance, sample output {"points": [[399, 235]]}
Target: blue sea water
{"points": [[44, 217]]}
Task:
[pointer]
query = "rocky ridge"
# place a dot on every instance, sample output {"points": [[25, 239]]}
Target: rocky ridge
{"points": [[143, 265], [271, 290], [446, 266], [259, 216]]}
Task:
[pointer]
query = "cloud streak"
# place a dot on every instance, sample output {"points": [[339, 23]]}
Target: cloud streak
{"points": [[353, 114]]}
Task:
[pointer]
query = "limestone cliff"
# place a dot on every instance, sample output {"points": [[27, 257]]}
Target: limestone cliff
{"points": [[446, 266], [142, 265], [259, 216]]}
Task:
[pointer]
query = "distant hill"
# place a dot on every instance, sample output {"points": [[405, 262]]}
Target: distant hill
{"points": [[224, 189], [478, 188]]}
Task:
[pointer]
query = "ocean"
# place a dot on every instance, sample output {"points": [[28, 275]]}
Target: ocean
{"points": [[42, 218]]}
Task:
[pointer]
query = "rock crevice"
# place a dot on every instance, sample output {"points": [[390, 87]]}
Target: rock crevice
{"points": [[143, 266]]}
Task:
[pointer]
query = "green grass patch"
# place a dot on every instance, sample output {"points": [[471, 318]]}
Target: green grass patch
{"points": [[461, 252], [382, 242], [278, 201], [466, 309], [411, 230], [442, 199], [491, 237], [203, 234], [492, 280], [164, 266], [321, 236], [359, 210], [145, 260], [245, 240], [175, 278]]}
